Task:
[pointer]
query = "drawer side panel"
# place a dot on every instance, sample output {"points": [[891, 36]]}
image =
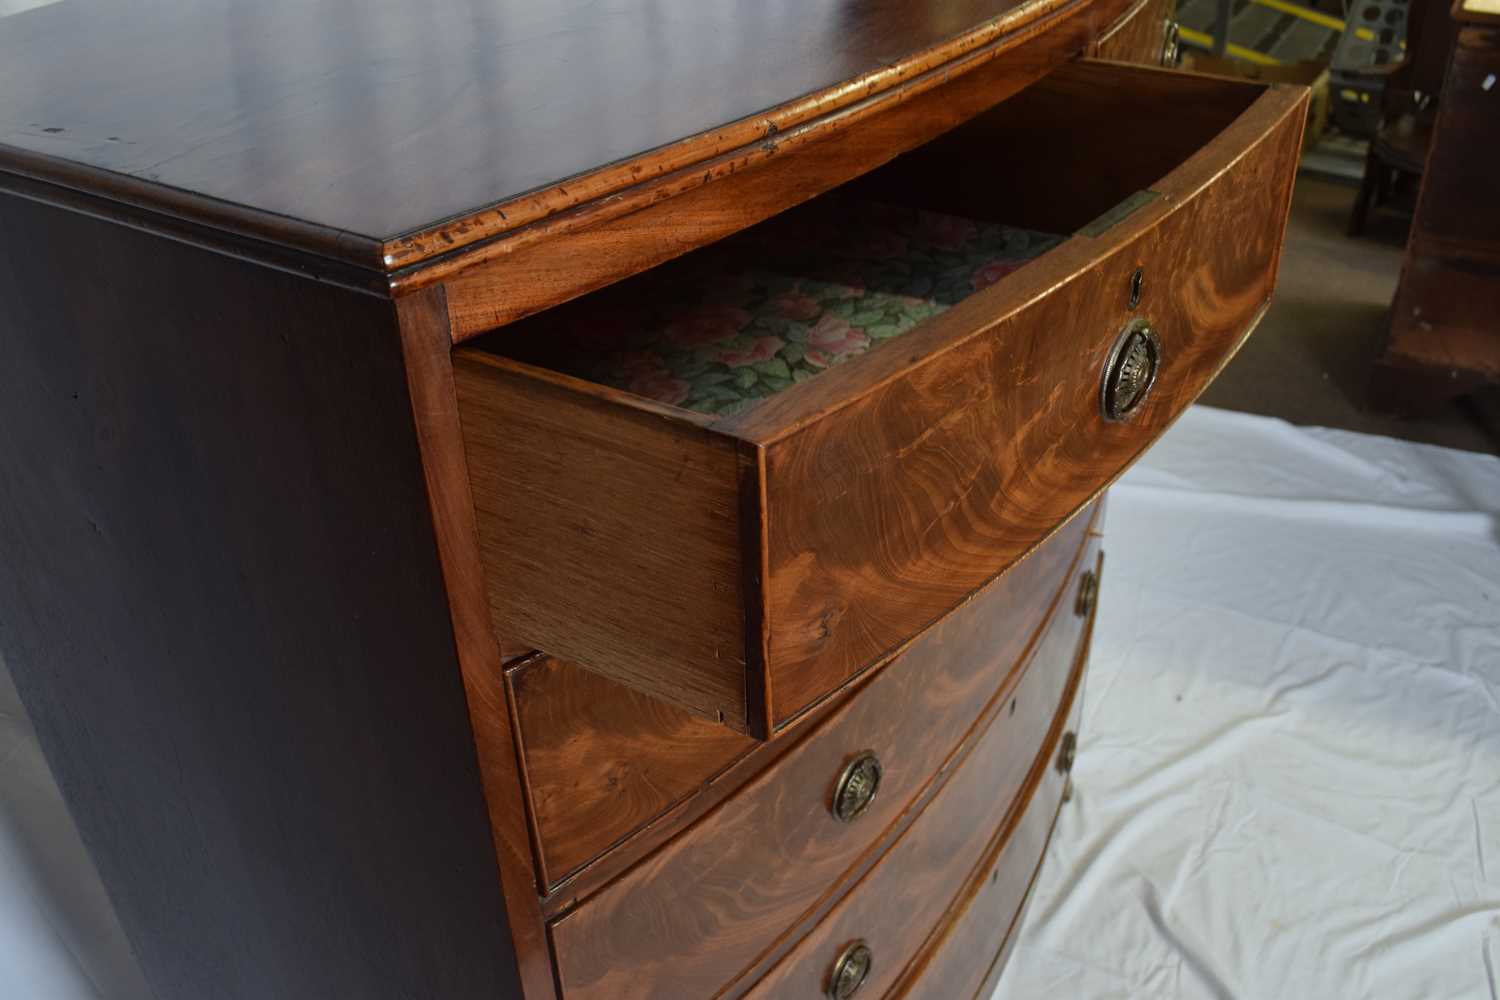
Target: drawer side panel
{"points": [[599, 524]]}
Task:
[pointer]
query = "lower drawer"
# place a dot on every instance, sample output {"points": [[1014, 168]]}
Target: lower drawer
{"points": [[727, 896], [965, 955], [1016, 769], [602, 760]]}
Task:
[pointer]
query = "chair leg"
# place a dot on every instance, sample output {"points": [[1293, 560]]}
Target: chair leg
{"points": [[1367, 184]]}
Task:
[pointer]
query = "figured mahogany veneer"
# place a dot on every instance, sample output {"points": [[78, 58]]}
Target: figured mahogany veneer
{"points": [[783, 550], [682, 923], [901, 903], [965, 953], [602, 760]]}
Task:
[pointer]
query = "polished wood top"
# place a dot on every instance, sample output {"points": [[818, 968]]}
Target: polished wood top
{"points": [[387, 132]]}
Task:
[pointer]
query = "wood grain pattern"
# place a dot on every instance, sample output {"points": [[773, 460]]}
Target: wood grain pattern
{"points": [[1139, 36], [891, 487], [995, 908], [681, 924], [967, 950], [957, 841], [222, 604], [602, 870], [584, 249], [899, 482], [426, 352], [603, 761], [386, 134], [618, 524]]}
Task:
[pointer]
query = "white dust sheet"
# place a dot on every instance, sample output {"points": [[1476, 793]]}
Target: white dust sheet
{"points": [[1288, 780], [1288, 785]]}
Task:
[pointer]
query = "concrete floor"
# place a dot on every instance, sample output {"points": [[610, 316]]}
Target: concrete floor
{"points": [[1310, 360]]}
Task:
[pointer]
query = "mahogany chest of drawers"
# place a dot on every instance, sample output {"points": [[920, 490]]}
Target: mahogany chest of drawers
{"points": [[590, 500]]}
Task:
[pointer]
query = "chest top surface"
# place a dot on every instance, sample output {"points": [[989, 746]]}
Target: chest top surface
{"points": [[364, 120]]}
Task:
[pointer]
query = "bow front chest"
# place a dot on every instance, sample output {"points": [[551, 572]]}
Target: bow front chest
{"points": [[590, 500]]}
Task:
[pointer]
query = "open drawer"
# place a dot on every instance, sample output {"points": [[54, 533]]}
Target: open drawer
{"points": [[871, 405]]}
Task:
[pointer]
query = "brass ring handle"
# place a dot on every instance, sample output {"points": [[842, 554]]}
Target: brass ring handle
{"points": [[849, 972], [1088, 594], [856, 787], [1129, 371], [1066, 752], [1171, 46]]}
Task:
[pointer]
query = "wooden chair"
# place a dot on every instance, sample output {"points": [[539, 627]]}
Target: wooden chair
{"points": [[1398, 151]]}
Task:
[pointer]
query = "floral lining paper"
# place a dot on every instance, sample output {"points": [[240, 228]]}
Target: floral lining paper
{"points": [[787, 300]]}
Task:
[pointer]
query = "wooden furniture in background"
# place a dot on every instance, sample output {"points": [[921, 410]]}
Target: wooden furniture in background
{"points": [[1398, 150], [1444, 337], [377, 657]]}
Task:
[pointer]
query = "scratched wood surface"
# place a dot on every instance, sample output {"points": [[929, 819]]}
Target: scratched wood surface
{"points": [[681, 924], [386, 133], [584, 248]]}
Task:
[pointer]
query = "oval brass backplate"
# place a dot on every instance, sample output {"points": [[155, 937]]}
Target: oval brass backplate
{"points": [[849, 972], [856, 787], [1129, 371]]}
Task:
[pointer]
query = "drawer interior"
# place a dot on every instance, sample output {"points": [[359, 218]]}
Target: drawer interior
{"points": [[725, 327], [779, 304], [740, 480]]}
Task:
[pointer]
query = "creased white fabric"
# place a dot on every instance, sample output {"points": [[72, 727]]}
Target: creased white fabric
{"points": [[1288, 781]]}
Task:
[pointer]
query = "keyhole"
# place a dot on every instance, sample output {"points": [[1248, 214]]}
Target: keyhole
{"points": [[1135, 288]]}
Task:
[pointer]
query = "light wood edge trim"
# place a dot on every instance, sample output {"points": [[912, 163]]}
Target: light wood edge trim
{"points": [[756, 567], [745, 141], [1116, 26], [426, 349], [543, 870], [799, 406]]}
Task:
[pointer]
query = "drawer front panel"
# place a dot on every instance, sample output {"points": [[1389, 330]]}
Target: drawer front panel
{"points": [[934, 465], [902, 901], [729, 891], [965, 964], [964, 956]]}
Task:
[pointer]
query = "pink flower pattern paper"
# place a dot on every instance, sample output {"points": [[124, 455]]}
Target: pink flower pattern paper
{"points": [[781, 303]]}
